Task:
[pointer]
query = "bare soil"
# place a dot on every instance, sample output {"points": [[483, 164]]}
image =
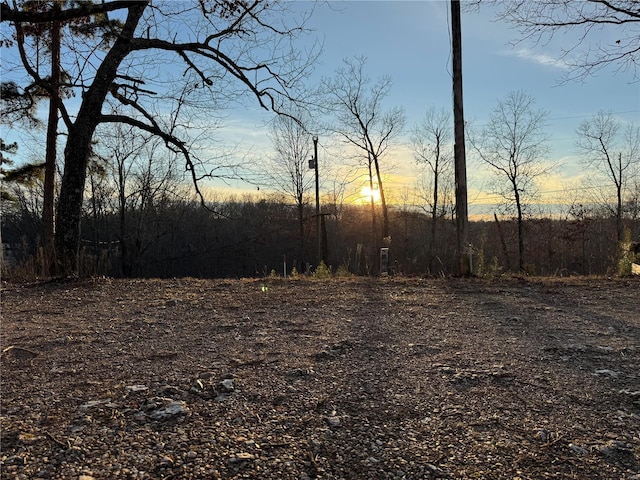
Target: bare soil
{"points": [[389, 378]]}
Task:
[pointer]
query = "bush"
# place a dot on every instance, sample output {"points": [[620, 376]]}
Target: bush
{"points": [[322, 272], [343, 271]]}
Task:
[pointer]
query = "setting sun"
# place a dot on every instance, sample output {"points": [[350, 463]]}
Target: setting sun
{"points": [[368, 194]]}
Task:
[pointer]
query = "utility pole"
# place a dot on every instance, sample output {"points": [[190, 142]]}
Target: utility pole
{"points": [[462, 222], [315, 166]]}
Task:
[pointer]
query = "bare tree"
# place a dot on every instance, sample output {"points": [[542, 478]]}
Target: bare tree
{"points": [[613, 152], [361, 120], [540, 21], [287, 170], [229, 48], [431, 144], [513, 145]]}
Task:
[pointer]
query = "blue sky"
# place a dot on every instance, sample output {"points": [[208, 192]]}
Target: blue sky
{"points": [[410, 41]]}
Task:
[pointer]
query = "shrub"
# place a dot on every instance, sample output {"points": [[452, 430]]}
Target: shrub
{"points": [[343, 271], [322, 272]]}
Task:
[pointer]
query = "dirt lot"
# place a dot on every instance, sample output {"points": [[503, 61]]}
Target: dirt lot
{"points": [[300, 379]]}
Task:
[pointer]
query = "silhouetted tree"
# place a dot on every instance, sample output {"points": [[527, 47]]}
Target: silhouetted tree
{"points": [[222, 49], [431, 144], [613, 151], [513, 145], [287, 170], [361, 120]]}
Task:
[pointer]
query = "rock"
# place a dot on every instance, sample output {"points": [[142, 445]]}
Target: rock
{"points": [[169, 411], [606, 349], [136, 388], [14, 460], [611, 448], [334, 421], [86, 477], [96, 403], [577, 450], [62, 340], [241, 457], [227, 385], [605, 372], [435, 470], [170, 391], [197, 387], [630, 393]]}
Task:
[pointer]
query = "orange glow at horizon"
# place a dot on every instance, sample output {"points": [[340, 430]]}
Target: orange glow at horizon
{"points": [[368, 194]]}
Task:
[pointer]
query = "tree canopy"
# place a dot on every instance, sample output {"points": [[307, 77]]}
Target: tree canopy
{"points": [[154, 67], [540, 21]]}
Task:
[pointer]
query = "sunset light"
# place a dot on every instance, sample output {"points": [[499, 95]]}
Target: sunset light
{"points": [[368, 194]]}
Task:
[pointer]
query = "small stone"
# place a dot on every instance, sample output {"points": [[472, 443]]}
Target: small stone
{"points": [[334, 421], [86, 477], [191, 454], [577, 450], [241, 457], [15, 460], [227, 385], [136, 388], [170, 390], [435, 470], [171, 410], [94, 403], [606, 372], [197, 387]]}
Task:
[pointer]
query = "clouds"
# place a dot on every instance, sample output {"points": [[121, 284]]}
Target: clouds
{"points": [[539, 58]]}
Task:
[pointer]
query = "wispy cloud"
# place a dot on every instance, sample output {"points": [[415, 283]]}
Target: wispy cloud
{"points": [[539, 58]]}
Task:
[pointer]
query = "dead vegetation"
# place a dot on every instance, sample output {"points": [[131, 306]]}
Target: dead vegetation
{"points": [[355, 378]]}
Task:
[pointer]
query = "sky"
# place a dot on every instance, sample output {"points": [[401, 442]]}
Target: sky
{"points": [[410, 41]]}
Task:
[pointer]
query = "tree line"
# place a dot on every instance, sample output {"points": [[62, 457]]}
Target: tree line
{"points": [[169, 236]]}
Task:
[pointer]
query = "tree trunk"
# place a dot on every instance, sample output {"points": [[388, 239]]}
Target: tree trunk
{"points": [[503, 242], [78, 148], [619, 228], [373, 206], [520, 233], [51, 151], [383, 202], [301, 256], [434, 211]]}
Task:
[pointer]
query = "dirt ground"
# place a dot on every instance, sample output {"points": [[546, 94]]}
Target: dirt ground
{"points": [[390, 378]]}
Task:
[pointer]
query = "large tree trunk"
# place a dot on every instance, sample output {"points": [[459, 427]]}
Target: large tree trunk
{"points": [[78, 148], [51, 152]]}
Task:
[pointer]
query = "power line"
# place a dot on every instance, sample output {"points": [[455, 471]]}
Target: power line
{"points": [[592, 115]]}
